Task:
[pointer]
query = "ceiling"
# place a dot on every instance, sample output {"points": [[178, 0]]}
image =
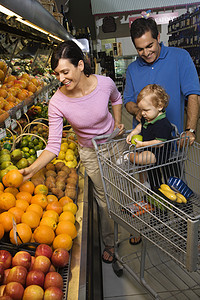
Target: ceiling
{"points": [[117, 6]]}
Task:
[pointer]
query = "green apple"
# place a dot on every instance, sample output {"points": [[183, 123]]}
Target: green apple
{"points": [[136, 137]]}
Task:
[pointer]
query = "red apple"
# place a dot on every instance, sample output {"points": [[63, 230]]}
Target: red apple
{"points": [[17, 274], [60, 257], [32, 262], [6, 272], [5, 297], [33, 292], [35, 277], [2, 288], [1, 273], [15, 290], [53, 279], [5, 258], [43, 249], [42, 263], [22, 258], [53, 293], [52, 268]]}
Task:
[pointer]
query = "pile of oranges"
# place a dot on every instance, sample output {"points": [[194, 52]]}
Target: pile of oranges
{"points": [[39, 217], [16, 89]]}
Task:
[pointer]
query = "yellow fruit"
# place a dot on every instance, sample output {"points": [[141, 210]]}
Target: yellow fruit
{"points": [[165, 187], [69, 164], [70, 207], [72, 145], [69, 157], [64, 147], [70, 151], [181, 198], [61, 155], [170, 195]]}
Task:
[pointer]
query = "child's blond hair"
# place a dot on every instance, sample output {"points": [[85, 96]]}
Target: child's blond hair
{"points": [[159, 95]]}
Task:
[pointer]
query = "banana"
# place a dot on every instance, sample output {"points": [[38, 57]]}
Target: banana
{"points": [[169, 194], [181, 198], [165, 187]]}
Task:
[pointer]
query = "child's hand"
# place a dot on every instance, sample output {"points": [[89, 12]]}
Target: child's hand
{"points": [[138, 143], [128, 138]]}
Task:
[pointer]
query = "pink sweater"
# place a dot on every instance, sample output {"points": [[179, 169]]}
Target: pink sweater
{"points": [[88, 115]]}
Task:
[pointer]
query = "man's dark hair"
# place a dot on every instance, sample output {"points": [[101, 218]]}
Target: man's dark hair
{"points": [[140, 26]]}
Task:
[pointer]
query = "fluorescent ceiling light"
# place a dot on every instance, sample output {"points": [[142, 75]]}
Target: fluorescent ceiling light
{"points": [[10, 13]]}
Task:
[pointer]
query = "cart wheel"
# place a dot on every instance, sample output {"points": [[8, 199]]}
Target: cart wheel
{"points": [[117, 268]]}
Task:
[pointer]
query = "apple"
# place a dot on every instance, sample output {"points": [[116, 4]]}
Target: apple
{"points": [[6, 272], [1, 273], [33, 292], [136, 137], [43, 249], [2, 288], [42, 263], [53, 293], [15, 290], [22, 258], [17, 274], [53, 279], [5, 297], [5, 258], [35, 277], [52, 268], [60, 257], [32, 262]]}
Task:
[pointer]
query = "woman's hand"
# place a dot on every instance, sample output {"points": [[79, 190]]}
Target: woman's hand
{"points": [[121, 128], [26, 173]]}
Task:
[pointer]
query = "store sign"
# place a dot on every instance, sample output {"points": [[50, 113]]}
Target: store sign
{"points": [[159, 18]]}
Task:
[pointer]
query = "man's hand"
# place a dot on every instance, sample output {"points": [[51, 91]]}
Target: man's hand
{"points": [[191, 136]]}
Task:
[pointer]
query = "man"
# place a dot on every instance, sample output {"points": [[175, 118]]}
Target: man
{"points": [[170, 67]]}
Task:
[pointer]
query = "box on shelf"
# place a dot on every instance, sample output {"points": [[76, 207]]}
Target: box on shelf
{"points": [[48, 5], [59, 17], [117, 49]]}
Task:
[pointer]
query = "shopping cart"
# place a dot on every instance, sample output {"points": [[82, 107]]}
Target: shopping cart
{"points": [[171, 227]]}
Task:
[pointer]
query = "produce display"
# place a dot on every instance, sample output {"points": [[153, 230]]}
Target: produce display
{"points": [[27, 276]]}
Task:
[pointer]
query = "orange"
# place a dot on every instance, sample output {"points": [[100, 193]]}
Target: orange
{"points": [[12, 178], [24, 196], [6, 219], [17, 212], [27, 186], [55, 206], [70, 207], [21, 203], [43, 234], [31, 218], [64, 200], [11, 190], [1, 231], [66, 227], [67, 216], [51, 198], [41, 189], [25, 233], [36, 208], [62, 241], [49, 222], [1, 186], [7, 200], [51, 214], [40, 199]]}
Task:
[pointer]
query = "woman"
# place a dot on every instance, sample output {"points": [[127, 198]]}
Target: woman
{"points": [[83, 100]]}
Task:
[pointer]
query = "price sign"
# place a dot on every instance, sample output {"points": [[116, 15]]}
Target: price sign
{"points": [[8, 122], [25, 109], [13, 124], [18, 114], [2, 133]]}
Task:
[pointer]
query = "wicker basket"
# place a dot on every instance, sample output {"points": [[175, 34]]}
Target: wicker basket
{"points": [[59, 17], [27, 127], [18, 139]]}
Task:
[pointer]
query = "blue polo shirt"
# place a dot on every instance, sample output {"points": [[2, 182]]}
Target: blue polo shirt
{"points": [[175, 71]]}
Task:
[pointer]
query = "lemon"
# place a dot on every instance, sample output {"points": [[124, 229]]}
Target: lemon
{"points": [[72, 146], [69, 157], [70, 151], [61, 155], [69, 164], [64, 147], [75, 162]]}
